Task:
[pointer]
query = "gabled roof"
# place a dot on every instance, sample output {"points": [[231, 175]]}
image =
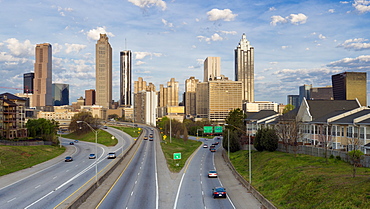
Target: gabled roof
{"points": [[324, 119], [252, 116], [9, 96], [320, 108], [350, 119]]}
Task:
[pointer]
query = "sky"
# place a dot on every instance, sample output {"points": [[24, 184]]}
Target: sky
{"points": [[295, 42]]}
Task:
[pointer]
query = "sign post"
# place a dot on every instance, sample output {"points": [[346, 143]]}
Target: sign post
{"points": [[177, 156]]}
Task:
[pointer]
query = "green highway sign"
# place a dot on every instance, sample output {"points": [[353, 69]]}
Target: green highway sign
{"points": [[218, 129], [177, 156], [208, 129]]}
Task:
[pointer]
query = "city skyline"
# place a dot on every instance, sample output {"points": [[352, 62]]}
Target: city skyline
{"points": [[295, 42]]}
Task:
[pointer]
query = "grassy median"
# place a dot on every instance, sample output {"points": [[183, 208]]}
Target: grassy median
{"points": [[305, 181], [104, 137], [15, 158], [178, 146]]}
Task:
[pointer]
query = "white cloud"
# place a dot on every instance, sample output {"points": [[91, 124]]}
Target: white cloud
{"points": [[203, 38], [359, 63], [20, 49], [277, 19], [216, 37], [142, 55], [149, 3], [139, 63], [57, 48], [166, 23], [295, 19], [344, 2], [94, 34], [331, 10], [362, 6], [228, 32], [272, 9], [356, 44], [322, 36], [216, 14], [284, 47], [74, 47]]}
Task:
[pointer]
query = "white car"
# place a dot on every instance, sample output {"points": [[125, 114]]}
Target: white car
{"points": [[205, 146], [212, 174]]}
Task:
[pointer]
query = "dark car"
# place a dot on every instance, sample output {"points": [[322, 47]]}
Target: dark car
{"points": [[76, 141], [219, 192], [68, 159], [216, 143], [92, 156], [105, 127], [213, 150], [71, 143], [111, 155]]}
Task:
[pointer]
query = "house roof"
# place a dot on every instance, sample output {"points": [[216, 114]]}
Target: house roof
{"points": [[325, 118], [320, 108], [9, 96], [251, 116], [350, 118]]}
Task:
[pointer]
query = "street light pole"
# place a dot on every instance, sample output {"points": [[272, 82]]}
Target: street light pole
{"points": [[96, 148], [250, 159], [228, 143]]}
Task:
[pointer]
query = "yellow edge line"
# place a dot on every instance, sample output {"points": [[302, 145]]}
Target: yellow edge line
{"points": [[119, 177], [86, 182]]}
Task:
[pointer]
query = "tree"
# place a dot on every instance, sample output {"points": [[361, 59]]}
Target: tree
{"points": [[82, 127], [288, 108], [235, 129], [114, 116], [324, 138], [271, 140], [258, 140], [287, 129], [185, 134], [44, 129], [355, 156]]}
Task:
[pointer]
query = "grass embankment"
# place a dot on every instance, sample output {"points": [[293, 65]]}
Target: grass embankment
{"points": [[178, 145], [133, 132], [104, 137], [15, 158], [305, 181]]}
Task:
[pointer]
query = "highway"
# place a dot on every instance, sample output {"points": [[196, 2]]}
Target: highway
{"points": [[137, 186], [47, 187], [195, 189]]}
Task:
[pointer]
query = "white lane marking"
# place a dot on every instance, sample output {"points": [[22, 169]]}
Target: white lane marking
{"points": [[132, 193], [54, 177], [39, 200], [138, 173], [12, 199], [37, 186], [135, 182], [178, 191], [67, 170]]}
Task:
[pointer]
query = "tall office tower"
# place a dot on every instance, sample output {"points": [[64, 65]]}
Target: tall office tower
{"points": [[212, 68], [139, 85], [304, 91], [60, 94], [216, 98], [126, 78], [349, 86], [103, 72], [190, 96], [293, 100], [43, 76], [244, 68], [28, 83], [169, 96], [90, 97]]}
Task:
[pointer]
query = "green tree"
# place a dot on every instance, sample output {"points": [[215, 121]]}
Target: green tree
{"points": [[355, 156], [114, 116], [271, 140], [258, 140], [185, 134], [82, 127], [235, 128], [288, 108], [43, 129]]}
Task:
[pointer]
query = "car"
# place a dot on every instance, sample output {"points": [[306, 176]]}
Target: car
{"points": [[151, 139], [145, 137], [150, 135], [92, 156], [111, 155], [68, 159], [76, 141], [219, 192], [213, 150], [216, 143], [218, 138], [105, 127], [212, 147], [205, 146], [71, 143], [212, 174]]}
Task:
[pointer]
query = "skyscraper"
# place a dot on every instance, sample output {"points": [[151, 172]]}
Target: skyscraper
{"points": [[244, 68], [90, 97], [43, 76], [169, 96], [103, 72], [350, 86], [60, 94], [190, 96], [28, 83], [126, 78], [212, 68]]}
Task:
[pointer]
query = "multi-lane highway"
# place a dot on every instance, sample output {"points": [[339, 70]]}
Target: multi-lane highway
{"points": [[48, 187], [195, 189], [137, 186]]}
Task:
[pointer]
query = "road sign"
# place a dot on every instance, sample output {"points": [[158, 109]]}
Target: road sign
{"points": [[164, 137], [208, 129], [177, 156], [218, 129]]}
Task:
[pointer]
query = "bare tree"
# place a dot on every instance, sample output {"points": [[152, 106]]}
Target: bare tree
{"points": [[288, 132], [325, 138]]}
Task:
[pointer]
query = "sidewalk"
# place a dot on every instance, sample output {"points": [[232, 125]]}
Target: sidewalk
{"points": [[238, 194]]}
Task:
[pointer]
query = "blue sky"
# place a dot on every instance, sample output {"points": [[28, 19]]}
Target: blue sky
{"points": [[296, 42]]}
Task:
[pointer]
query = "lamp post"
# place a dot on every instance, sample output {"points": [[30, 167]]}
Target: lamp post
{"points": [[250, 159], [96, 148]]}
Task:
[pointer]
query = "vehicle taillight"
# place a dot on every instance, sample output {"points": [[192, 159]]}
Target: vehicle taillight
{"points": [[215, 192], [223, 192]]}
